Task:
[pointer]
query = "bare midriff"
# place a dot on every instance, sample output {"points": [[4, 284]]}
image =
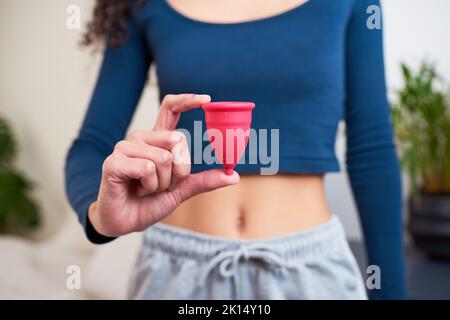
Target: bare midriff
{"points": [[257, 207]]}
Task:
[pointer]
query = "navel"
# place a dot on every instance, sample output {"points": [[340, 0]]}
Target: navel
{"points": [[240, 222]]}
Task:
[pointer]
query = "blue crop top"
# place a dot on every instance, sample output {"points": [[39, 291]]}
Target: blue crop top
{"points": [[306, 69]]}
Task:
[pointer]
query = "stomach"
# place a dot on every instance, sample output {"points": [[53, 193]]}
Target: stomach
{"points": [[257, 207]]}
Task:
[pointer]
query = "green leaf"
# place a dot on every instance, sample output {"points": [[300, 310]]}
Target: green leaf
{"points": [[19, 212], [7, 145], [421, 117]]}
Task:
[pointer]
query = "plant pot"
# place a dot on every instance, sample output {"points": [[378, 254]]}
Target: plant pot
{"points": [[429, 224]]}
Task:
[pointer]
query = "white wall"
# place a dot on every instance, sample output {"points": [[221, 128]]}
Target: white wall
{"points": [[46, 82]]}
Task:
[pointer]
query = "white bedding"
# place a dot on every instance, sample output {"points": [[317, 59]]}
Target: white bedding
{"points": [[31, 270]]}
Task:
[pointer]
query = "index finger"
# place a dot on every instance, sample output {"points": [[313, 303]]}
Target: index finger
{"points": [[172, 105]]}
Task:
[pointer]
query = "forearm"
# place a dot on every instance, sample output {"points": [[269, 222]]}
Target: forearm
{"points": [[376, 183], [83, 175]]}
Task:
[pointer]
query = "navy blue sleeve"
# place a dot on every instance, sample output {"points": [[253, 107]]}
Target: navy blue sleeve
{"points": [[122, 76], [371, 157]]}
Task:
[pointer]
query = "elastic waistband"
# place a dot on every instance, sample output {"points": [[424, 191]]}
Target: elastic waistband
{"points": [[187, 243]]}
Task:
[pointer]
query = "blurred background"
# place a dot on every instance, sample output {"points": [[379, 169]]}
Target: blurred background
{"points": [[45, 85]]}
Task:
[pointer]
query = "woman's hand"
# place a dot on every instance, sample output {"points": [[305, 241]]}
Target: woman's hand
{"points": [[148, 174]]}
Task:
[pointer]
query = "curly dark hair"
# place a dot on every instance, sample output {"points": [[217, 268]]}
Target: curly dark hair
{"points": [[109, 22]]}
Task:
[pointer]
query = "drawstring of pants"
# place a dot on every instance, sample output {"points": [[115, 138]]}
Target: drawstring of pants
{"points": [[228, 261]]}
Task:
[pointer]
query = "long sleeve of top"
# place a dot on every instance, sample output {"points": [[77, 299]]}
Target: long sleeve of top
{"points": [[122, 76], [371, 157]]}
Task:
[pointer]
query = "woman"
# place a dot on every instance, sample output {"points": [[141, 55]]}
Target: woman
{"points": [[306, 65]]}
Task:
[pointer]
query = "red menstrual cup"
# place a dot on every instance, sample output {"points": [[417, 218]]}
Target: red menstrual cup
{"points": [[228, 126]]}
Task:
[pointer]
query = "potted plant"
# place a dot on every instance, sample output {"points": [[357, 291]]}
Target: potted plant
{"points": [[421, 118], [18, 210]]}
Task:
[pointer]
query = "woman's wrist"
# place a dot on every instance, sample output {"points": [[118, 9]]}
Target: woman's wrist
{"points": [[94, 220], [92, 226]]}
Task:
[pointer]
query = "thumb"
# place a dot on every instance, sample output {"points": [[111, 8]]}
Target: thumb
{"points": [[203, 182]]}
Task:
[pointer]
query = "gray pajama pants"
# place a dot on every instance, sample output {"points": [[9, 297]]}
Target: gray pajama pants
{"points": [[176, 263]]}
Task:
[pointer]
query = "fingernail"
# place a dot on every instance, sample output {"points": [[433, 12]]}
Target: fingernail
{"points": [[177, 136], [204, 97]]}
